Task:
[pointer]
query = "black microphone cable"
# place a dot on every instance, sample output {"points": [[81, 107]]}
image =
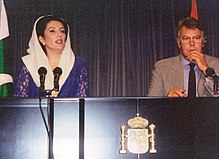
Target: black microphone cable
{"points": [[42, 114], [42, 72]]}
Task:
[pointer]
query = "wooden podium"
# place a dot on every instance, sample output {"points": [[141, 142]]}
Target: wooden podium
{"points": [[186, 128]]}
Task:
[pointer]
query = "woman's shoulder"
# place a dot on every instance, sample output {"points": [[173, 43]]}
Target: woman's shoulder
{"points": [[79, 67], [79, 61], [21, 66]]}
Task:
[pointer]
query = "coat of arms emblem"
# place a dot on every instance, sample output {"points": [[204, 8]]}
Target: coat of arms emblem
{"points": [[137, 138]]}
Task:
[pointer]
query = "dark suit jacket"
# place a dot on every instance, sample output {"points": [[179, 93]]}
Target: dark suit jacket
{"points": [[168, 73]]}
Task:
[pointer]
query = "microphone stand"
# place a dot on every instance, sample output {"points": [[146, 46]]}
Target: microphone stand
{"points": [[50, 118], [50, 105], [215, 86], [81, 127], [50, 112]]}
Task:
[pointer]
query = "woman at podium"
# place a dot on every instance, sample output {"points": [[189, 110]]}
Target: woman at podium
{"points": [[51, 68]]}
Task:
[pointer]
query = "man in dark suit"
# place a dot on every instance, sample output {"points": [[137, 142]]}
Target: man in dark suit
{"points": [[170, 76]]}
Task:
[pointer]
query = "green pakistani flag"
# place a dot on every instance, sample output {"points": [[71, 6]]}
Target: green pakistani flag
{"points": [[4, 78]]}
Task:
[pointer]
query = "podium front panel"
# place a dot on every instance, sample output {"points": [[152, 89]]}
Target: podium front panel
{"points": [[66, 128], [22, 132], [185, 128], [103, 118]]}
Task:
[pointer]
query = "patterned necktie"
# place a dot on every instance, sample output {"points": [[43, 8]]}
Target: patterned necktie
{"points": [[192, 81]]}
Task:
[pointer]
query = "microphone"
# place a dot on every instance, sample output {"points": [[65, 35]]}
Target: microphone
{"points": [[57, 73], [42, 72], [211, 73]]}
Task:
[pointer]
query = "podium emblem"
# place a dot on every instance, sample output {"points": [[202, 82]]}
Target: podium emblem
{"points": [[137, 139]]}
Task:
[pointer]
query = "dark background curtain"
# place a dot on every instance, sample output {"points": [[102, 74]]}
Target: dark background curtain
{"points": [[120, 39]]}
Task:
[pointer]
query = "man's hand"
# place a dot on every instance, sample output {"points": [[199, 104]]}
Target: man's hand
{"points": [[199, 59], [176, 92]]}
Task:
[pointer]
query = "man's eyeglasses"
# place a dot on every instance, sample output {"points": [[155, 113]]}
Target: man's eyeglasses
{"points": [[187, 39]]}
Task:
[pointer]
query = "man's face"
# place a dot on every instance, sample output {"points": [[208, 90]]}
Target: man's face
{"points": [[190, 40]]}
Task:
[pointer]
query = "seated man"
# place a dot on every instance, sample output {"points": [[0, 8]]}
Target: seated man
{"points": [[170, 76]]}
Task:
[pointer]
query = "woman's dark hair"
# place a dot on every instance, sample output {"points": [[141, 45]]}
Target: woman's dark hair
{"points": [[41, 26]]}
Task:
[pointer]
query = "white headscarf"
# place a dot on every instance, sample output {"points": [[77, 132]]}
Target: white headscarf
{"points": [[37, 58]]}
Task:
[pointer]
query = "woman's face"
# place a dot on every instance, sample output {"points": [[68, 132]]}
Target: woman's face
{"points": [[54, 36]]}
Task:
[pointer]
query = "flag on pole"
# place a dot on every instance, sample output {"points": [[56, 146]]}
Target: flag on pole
{"points": [[4, 32], [194, 10]]}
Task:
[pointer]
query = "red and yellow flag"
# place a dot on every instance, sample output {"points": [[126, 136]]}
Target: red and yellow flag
{"points": [[194, 10]]}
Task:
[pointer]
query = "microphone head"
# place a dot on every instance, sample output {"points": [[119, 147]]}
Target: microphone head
{"points": [[57, 73], [210, 72], [42, 70], [57, 70]]}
